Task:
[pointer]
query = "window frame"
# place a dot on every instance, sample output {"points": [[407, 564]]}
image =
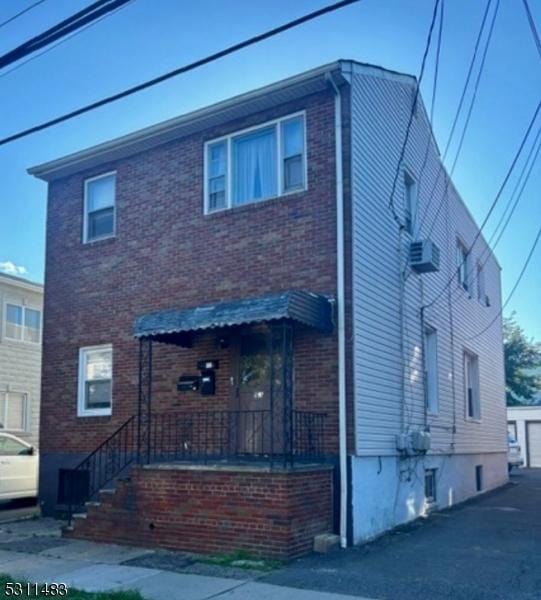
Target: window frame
{"points": [[431, 473], [466, 263], [410, 183], [434, 406], [476, 414], [34, 307], [228, 140], [26, 405], [82, 410], [86, 239], [481, 283]]}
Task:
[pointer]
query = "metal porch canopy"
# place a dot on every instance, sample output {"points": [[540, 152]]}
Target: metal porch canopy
{"points": [[304, 307]]}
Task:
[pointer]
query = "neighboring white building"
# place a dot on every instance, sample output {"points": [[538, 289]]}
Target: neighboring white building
{"points": [[21, 308], [524, 424], [461, 400]]}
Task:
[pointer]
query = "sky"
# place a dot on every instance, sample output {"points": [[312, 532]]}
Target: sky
{"points": [[149, 37]]}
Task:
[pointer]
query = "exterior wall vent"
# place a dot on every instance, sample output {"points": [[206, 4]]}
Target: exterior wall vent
{"points": [[424, 256]]}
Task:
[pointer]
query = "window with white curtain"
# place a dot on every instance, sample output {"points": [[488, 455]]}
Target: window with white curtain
{"points": [[95, 381], [431, 369], [257, 164], [99, 217], [13, 411], [22, 323]]}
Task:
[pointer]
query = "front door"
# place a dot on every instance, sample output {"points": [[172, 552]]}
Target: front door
{"points": [[257, 398]]}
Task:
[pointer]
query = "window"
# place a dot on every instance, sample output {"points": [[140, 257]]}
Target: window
{"points": [[479, 478], [410, 204], [430, 485], [481, 288], [463, 266], [261, 163], [13, 411], [11, 447], [95, 381], [22, 323], [471, 385], [99, 217], [431, 370]]}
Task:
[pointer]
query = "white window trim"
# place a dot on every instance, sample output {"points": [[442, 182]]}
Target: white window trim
{"points": [[91, 412], [406, 175], [467, 417], [26, 414], [85, 211], [279, 171], [467, 268], [6, 337], [432, 411]]}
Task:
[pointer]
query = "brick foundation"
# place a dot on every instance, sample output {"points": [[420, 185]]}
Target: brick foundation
{"points": [[214, 509]]}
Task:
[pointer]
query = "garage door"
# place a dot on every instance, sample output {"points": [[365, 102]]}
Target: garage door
{"points": [[534, 444]]}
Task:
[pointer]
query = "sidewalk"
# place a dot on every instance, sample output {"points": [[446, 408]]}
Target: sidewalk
{"points": [[34, 551]]}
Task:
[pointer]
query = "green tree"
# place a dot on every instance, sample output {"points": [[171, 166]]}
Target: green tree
{"points": [[522, 358]]}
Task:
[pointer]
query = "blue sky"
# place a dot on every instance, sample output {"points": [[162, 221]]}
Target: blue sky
{"points": [[149, 37]]}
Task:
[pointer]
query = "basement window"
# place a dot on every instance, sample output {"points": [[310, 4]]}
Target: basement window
{"points": [[430, 486], [13, 411], [479, 478]]}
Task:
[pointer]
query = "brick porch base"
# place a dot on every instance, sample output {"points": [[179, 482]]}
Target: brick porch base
{"points": [[208, 509]]}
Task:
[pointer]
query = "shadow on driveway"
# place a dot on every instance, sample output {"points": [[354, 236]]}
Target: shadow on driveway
{"points": [[488, 548]]}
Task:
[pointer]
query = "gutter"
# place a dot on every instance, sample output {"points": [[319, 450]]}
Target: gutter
{"points": [[341, 295]]}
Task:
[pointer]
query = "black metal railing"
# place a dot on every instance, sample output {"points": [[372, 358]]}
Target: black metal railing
{"points": [[197, 436]]}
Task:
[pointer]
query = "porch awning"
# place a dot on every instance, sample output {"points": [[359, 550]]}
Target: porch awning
{"points": [[310, 309]]}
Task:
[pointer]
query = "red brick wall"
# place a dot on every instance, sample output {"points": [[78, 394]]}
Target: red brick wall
{"points": [[168, 254], [274, 514]]}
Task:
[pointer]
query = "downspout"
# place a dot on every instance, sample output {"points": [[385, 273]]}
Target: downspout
{"points": [[341, 295]]}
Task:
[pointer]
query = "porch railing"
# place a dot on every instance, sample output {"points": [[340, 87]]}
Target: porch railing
{"points": [[201, 436]]}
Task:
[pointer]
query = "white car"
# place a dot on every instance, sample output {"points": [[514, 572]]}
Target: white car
{"points": [[514, 458], [19, 463]]}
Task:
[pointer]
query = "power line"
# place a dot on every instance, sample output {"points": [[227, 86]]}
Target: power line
{"points": [[531, 23], [60, 30], [180, 70], [494, 203], [21, 13], [517, 283], [63, 40], [412, 112], [437, 63]]}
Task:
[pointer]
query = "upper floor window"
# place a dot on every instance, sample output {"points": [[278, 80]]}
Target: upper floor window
{"points": [[22, 323], [481, 285], [254, 165], [463, 265], [13, 410], [431, 369], [471, 386], [95, 381], [99, 207], [410, 204]]}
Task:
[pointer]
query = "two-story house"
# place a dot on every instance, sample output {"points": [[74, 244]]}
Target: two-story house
{"points": [[258, 341], [21, 307]]}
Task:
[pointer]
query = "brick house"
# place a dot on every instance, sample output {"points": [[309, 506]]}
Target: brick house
{"points": [[240, 347]]}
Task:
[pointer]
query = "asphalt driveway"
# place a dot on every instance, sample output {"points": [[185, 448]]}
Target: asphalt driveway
{"points": [[487, 548]]}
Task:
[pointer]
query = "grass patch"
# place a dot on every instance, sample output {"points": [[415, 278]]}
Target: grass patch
{"points": [[73, 594], [241, 559]]}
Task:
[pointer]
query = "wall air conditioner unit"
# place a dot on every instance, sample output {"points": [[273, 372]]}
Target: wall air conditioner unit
{"points": [[420, 441], [424, 256]]}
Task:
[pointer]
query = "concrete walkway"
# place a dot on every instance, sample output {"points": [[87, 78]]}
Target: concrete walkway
{"points": [[33, 550]]}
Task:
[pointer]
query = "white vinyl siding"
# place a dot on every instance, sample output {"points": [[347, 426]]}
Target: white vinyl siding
{"points": [[95, 381], [385, 405], [257, 164]]}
